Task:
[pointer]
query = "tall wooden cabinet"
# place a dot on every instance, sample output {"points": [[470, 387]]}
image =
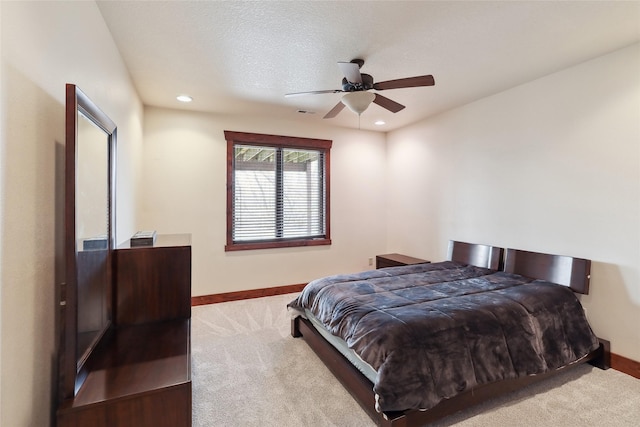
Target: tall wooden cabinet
{"points": [[153, 283], [140, 372]]}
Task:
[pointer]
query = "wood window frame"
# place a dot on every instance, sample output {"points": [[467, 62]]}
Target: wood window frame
{"points": [[324, 145]]}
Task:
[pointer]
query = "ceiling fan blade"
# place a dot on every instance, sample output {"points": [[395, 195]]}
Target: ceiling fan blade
{"points": [[351, 71], [407, 82], [334, 111], [313, 92], [390, 105]]}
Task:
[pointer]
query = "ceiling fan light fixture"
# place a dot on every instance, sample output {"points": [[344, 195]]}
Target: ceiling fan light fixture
{"points": [[358, 101]]}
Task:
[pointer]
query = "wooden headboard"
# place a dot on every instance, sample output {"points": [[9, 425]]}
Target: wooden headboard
{"points": [[479, 255], [563, 270]]}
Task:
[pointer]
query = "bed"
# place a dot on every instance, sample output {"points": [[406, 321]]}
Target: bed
{"points": [[413, 344]]}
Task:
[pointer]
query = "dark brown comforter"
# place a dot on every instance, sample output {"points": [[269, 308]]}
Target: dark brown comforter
{"points": [[432, 331]]}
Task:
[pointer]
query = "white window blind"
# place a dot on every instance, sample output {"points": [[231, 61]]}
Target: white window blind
{"points": [[278, 193]]}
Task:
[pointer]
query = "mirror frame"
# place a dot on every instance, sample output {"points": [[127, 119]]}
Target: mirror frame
{"points": [[72, 374]]}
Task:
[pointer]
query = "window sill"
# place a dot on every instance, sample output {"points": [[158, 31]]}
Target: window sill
{"points": [[272, 245]]}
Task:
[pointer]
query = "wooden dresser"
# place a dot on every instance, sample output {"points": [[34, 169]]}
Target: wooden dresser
{"points": [[140, 373]]}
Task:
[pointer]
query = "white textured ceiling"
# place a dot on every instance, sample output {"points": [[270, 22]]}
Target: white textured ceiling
{"points": [[242, 57]]}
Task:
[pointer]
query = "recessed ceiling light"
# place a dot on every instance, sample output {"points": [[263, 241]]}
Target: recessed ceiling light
{"points": [[184, 98], [379, 122]]}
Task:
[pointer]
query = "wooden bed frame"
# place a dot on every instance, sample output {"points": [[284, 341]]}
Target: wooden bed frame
{"points": [[475, 254], [567, 271]]}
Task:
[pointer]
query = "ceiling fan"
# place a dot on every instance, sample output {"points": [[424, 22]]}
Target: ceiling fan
{"points": [[356, 86]]}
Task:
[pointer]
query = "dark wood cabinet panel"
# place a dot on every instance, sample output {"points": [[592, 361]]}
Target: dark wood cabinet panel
{"points": [[159, 275], [143, 410]]}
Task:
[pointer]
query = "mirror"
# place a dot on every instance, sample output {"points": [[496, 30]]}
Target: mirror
{"points": [[92, 228], [89, 185]]}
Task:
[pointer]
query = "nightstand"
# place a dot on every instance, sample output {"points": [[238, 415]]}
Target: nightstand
{"points": [[395, 260]]}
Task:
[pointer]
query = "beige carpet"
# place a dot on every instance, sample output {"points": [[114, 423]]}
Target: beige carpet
{"points": [[249, 371]]}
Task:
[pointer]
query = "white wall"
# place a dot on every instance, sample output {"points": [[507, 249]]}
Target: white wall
{"points": [[184, 181], [550, 166], [45, 45]]}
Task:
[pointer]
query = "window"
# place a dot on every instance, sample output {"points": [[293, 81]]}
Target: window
{"points": [[277, 191]]}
